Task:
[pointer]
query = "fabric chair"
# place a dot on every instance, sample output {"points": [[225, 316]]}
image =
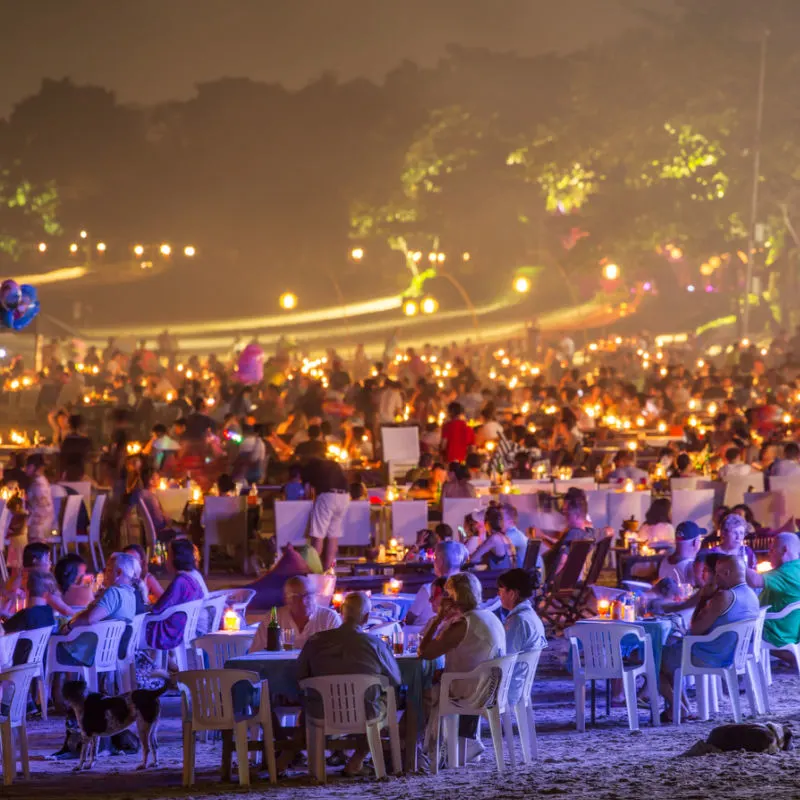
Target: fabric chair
{"points": [[408, 517], [696, 505], [596, 649], [496, 675], [106, 653], [454, 509], [624, 505], [738, 485], [527, 663], [743, 664], [191, 611], [126, 668], [208, 705], [344, 711], [20, 679], [562, 587]]}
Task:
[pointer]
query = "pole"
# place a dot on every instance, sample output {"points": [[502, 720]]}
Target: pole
{"points": [[751, 238]]}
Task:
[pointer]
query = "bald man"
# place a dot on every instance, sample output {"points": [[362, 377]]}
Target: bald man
{"points": [[780, 587], [348, 650]]}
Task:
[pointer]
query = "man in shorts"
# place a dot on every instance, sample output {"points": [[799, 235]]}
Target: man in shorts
{"points": [[331, 498]]}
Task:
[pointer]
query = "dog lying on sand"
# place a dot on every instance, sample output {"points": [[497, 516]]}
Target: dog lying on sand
{"points": [[767, 737], [99, 715]]}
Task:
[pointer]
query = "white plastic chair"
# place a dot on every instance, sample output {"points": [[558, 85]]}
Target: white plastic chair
{"points": [[8, 641], [526, 665], [148, 528], [495, 675], [599, 657], [224, 525], [344, 711], [173, 501], [705, 677], [767, 649], [126, 668], [83, 488], [239, 599], [20, 678], [38, 638], [69, 522], [220, 647], [214, 606], [92, 540], [207, 703], [191, 611], [106, 654]]}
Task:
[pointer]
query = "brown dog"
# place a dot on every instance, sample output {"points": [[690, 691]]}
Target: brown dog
{"points": [[99, 715], [754, 737]]}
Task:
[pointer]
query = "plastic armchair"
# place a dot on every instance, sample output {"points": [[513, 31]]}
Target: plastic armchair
{"points": [[20, 679], [743, 663], [596, 648], [767, 649], [126, 667], [8, 641], [38, 639], [491, 679], [220, 647], [92, 539], [525, 670], [239, 599], [191, 612], [345, 711], [106, 653], [208, 705], [69, 523], [214, 606]]}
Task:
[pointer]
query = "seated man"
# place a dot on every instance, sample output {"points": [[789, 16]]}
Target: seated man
{"points": [[347, 650], [36, 614], [780, 588], [725, 599], [301, 614], [447, 560], [680, 563]]}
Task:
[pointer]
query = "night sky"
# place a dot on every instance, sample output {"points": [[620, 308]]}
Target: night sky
{"points": [[155, 50]]}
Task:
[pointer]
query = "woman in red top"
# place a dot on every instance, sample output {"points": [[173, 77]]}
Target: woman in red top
{"points": [[457, 436]]}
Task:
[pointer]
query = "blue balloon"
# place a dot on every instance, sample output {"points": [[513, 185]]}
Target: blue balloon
{"points": [[27, 309]]}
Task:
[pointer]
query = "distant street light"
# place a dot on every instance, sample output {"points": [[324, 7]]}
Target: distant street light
{"points": [[101, 247], [522, 284], [357, 253], [288, 301], [432, 258], [42, 247], [189, 250], [410, 308], [138, 250], [165, 249], [440, 258], [429, 305], [73, 248], [416, 256], [84, 234], [611, 272]]}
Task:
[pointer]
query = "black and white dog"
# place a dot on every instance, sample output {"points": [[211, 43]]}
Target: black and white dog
{"points": [[99, 715]]}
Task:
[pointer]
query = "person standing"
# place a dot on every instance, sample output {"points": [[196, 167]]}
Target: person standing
{"points": [[457, 436], [331, 500]]}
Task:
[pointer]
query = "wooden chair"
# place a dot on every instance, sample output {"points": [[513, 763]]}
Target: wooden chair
{"points": [[562, 586]]}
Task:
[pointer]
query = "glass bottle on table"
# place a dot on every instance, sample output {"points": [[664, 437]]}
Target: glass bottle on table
{"points": [[273, 631]]}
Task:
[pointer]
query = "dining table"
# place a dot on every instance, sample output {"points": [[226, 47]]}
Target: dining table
{"points": [[279, 669]]}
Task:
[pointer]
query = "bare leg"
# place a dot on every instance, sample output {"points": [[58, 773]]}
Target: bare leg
{"points": [[356, 761], [329, 550]]}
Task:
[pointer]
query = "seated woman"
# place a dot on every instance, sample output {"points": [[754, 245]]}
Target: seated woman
{"points": [[187, 585], [732, 531], [74, 583], [466, 636], [458, 485], [657, 528], [497, 551]]}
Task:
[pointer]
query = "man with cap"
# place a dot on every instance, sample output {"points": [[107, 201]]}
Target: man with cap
{"points": [[679, 564]]}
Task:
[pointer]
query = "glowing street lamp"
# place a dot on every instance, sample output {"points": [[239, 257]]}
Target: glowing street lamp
{"points": [[288, 301], [138, 250], [84, 234], [432, 258], [42, 247], [416, 256], [611, 272], [165, 249], [410, 308], [440, 257], [73, 248], [357, 253], [429, 305], [101, 247], [522, 284], [189, 250]]}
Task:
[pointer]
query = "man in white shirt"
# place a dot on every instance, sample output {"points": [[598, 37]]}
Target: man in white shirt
{"points": [[789, 465], [734, 466], [390, 403], [301, 614], [447, 560], [679, 565]]}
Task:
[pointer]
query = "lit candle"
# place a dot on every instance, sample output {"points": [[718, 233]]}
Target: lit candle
{"points": [[395, 586], [604, 608], [337, 600], [763, 566], [231, 621]]}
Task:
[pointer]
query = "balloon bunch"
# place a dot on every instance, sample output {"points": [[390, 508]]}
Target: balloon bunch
{"points": [[19, 305]]}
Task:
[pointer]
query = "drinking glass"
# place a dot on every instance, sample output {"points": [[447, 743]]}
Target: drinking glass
{"points": [[412, 643], [288, 638], [399, 643]]}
